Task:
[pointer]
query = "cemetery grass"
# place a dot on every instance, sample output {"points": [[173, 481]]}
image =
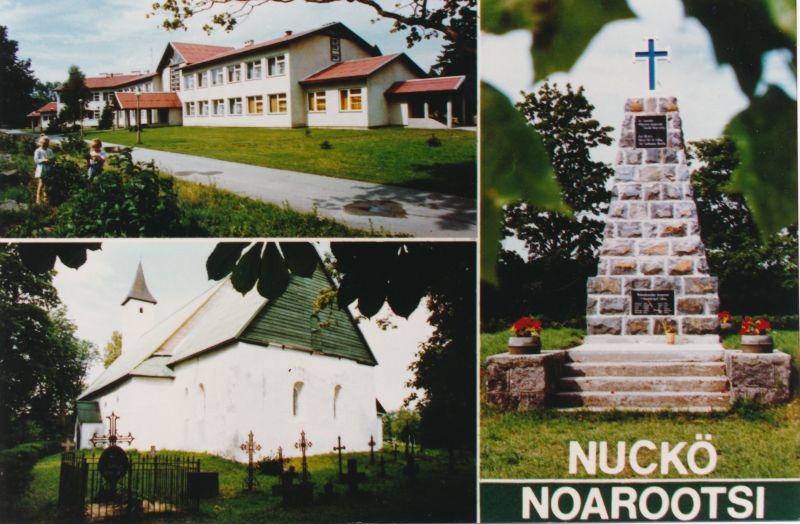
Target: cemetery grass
{"points": [[436, 496], [393, 156], [752, 442]]}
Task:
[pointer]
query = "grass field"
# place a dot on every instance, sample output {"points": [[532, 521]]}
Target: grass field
{"points": [[436, 496], [394, 156], [752, 442]]}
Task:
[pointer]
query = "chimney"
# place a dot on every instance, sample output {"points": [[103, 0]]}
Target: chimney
{"points": [[248, 42], [289, 32]]}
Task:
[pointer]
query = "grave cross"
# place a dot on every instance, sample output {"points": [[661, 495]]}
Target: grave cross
{"points": [[651, 55], [302, 445], [68, 444], [371, 444], [113, 437], [251, 446], [339, 448], [152, 453]]}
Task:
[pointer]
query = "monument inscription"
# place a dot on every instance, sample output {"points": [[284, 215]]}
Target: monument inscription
{"points": [[653, 302], [651, 131]]}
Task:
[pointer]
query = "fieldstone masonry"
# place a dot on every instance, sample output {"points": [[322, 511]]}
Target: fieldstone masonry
{"points": [[652, 236]]}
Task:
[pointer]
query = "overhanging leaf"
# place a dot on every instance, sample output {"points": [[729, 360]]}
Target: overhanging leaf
{"points": [[221, 261], [766, 136], [245, 273], [501, 16], [406, 288], [567, 27], [301, 258], [273, 276], [784, 15], [514, 166], [39, 258]]}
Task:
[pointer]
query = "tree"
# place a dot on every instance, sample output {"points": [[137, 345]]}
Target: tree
{"points": [[106, 118], [42, 363], [113, 349], [74, 95], [756, 274], [449, 18], [17, 83], [44, 92], [453, 61]]}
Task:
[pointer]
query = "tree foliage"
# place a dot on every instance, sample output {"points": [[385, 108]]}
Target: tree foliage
{"points": [[113, 349], [42, 362], [106, 117], [17, 83], [74, 95]]}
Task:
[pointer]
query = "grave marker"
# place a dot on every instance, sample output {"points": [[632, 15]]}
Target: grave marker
{"points": [[339, 448], [251, 447]]}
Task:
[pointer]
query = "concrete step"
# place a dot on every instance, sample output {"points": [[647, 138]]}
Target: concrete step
{"points": [[639, 353], [645, 369], [637, 400], [644, 384]]}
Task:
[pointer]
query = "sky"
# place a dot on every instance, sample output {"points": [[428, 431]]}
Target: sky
{"points": [[175, 274], [708, 93], [115, 36]]}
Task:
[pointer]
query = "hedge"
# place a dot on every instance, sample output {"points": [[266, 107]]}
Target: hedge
{"points": [[15, 467]]}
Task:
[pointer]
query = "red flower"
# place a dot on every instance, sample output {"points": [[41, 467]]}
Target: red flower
{"points": [[763, 325], [527, 326], [725, 317]]}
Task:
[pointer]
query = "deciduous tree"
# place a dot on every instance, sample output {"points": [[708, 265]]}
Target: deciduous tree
{"points": [[74, 95], [113, 349], [17, 83]]}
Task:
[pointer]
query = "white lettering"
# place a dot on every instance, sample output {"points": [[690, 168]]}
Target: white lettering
{"points": [[620, 464], [710, 450], [675, 505], [735, 499], [556, 503], [670, 456], [617, 502], [589, 461], [634, 457], [645, 509], [594, 505], [760, 502], [713, 492], [540, 505]]}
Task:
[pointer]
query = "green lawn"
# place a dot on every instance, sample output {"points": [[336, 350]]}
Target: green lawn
{"points": [[394, 156], [436, 496], [751, 442]]}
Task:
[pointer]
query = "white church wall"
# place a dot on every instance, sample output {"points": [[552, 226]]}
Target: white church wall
{"points": [[137, 317]]}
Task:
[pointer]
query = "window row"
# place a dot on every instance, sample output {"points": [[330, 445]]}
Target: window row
{"points": [[253, 70], [349, 100], [254, 105]]}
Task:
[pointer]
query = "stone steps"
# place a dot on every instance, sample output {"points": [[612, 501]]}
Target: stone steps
{"points": [[644, 369], [620, 384], [679, 401], [643, 353]]}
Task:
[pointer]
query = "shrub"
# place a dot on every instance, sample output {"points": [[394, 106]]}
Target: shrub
{"points": [[26, 145], [106, 118], [64, 178], [73, 145], [326, 145], [433, 141], [16, 465]]}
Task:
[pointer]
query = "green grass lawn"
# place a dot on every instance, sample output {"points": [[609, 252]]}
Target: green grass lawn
{"points": [[394, 156], [436, 496], [751, 442]]}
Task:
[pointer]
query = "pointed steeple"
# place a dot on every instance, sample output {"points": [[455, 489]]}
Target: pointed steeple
{"points": [[139, 289]]}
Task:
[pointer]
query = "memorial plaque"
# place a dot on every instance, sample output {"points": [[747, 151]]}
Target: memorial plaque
{"points": [[653, 302], [651, 131]]}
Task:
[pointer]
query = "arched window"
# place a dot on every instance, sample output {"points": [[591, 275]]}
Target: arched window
{"points": [[298, 387], [336, 392]]}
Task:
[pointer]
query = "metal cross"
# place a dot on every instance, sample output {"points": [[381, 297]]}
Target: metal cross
{"points": [[113, 437], [302, 445], [68, 444], [152, 453], [651, 55], [339, 448], [251, 446], [371, 444]]}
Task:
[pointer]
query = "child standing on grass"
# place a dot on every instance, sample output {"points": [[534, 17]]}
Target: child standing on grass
{"points": [[96, 158], [42, 158]]}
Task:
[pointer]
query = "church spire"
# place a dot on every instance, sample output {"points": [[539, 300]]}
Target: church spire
{"points": [[139, 289]]}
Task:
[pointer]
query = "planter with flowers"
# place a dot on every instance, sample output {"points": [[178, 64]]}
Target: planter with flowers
{"points": [[725, 322], [755, 335], [527, 340], [670, 330]]}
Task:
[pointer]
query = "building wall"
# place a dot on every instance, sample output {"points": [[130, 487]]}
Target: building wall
{"points": [[335, 117], [381, 111], [216, 399]]}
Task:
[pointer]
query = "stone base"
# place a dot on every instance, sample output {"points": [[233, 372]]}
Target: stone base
{"points": [[523, 382], [762, 377], [705, 340]]}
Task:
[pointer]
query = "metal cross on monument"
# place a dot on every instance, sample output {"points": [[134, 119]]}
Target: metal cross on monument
{"points": [[302, 445], [371, 445], [651, 55], [113, 437], [251, 447], [339, 448], [68, 445]]}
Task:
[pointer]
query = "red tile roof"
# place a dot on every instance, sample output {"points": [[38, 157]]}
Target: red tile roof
{"points": [[49, 107], [193, 53], [426, 85], [106, 82], [350, 69], [148, 101]]}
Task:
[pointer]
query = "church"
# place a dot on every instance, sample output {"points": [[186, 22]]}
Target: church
{"points": [[226, 364]]}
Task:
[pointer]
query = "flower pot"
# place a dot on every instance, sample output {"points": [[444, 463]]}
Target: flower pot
{"points": [[524, 345], [757, 343], [670, 338]]}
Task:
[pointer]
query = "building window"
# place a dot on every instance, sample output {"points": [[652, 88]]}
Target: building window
{"points": [[234, 73], [218, 107], [253, 70], [276, 65], [188, 81], [350, 99], [277, 103], [174, 79], [217, 76], [202, 79], [255, 105], [316, 101], [235, 106], [96, 96], [190, 109], [298, 388], [336, 50], [202, 108], [336, 392]]}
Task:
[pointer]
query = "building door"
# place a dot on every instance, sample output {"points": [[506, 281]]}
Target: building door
{"points": [[163, 116]]}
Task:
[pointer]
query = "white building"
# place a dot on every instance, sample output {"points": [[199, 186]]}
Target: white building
{"points": [[225, 364], [324, 77]]}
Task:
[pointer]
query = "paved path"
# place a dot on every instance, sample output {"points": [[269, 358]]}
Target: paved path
{"points": [[422, 213]]}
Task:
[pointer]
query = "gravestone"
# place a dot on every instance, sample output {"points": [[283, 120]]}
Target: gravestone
{"points": [[652, 264], [353, 477]]}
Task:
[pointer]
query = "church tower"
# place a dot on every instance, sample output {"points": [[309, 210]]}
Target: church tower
{"points": [[138, 307]]}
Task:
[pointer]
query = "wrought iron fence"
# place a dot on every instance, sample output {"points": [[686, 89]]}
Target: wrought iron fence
{"points": [[156, 484]]}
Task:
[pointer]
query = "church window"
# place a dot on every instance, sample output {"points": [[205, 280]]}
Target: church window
{"points": [[298, 388], [336, 394], [141, 310]]}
